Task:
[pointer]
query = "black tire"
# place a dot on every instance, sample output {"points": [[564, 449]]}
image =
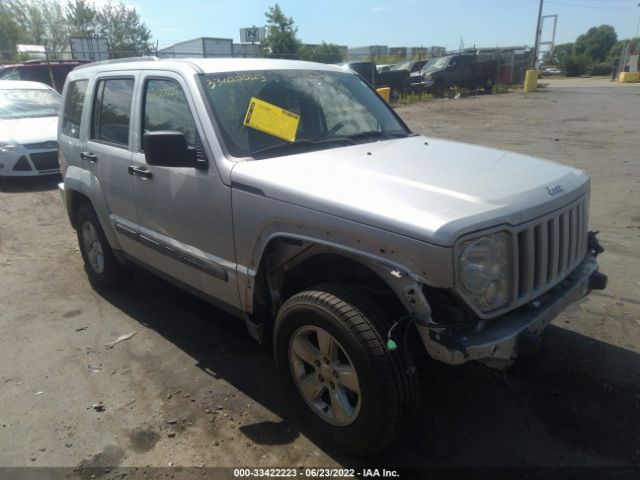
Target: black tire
{"points": [[112, 273], [438, 89], [387, 379], [394, 93]]}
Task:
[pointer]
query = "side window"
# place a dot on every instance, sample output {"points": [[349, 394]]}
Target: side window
{"points": [[9, 74], [166, 108], [36, 73], [72, 112], [60, 73], [112, 111]]}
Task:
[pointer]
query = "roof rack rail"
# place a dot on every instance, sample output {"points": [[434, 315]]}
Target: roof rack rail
{"points": [[119, 60], [53, 61]]}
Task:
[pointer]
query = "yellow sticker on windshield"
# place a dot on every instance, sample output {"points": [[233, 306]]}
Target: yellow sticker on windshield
{"points": [[272, 119]]}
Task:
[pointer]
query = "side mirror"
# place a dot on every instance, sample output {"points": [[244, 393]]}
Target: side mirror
{"points": [[170, 149]]}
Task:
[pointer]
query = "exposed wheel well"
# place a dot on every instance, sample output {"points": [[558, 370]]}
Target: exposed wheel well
{"points": [[76, 201], [302, 266]]}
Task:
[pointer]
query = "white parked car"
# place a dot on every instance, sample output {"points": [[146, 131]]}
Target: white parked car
{"points": [[28, 129]]}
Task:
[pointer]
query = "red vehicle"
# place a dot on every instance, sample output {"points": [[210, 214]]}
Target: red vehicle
{"points": [[52, 72]]}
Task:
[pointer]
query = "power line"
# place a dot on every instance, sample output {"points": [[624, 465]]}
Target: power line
{"points": [[593, 7]]}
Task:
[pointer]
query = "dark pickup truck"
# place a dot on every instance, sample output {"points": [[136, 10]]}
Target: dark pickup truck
{"points": [[396, 80], [465, 70]]}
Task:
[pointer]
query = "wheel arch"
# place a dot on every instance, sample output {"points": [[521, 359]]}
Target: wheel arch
{"points": [[289, 264], [80, 188]]}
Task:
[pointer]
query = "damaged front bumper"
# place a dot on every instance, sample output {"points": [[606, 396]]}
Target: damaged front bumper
{"points": [[497, 342]]}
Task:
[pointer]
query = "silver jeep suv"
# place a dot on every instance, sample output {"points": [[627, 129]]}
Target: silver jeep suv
{"points": [[290, 194]]}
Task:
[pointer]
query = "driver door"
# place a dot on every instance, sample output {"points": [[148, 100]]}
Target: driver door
{"points": [[184, 213]]}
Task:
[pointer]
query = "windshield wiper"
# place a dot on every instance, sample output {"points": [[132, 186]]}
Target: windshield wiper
{"points": [[304, 142], [375, 134]]}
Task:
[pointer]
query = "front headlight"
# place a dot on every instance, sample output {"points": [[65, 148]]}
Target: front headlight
{"points": [[427, 76], [6, 146], [484, 271]]}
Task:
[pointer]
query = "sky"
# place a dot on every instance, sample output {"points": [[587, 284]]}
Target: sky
{"points": [[395, 23]]}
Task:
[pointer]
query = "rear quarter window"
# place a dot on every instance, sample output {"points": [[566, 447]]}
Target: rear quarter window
{"points": [[112, 111], [36, 73], [73, 106], [9, 74]]}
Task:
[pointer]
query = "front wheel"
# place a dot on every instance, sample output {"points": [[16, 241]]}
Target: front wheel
{"points": [[439, 89], [350, 390]]}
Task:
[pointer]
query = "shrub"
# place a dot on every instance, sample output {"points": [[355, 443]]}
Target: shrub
{"points": [[414, 97], [499, 88], [574, 65], [602, 68]]}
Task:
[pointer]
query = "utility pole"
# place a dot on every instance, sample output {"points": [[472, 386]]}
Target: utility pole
{"points": [[46, 53], [633, 59], [534, 61]]}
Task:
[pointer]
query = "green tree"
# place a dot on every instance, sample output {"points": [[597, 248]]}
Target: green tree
{"points": [[323, 53], [281, 38], [127, 34], [41, 22], [10, 33], [596, 43], [29, 19], [574, 65], [82, 18], [47, 21], [562, 51], [616, 50], [56, 27]]}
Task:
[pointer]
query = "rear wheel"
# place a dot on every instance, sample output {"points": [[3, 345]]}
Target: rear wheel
{"points": [[101, 265], [350, 390]]}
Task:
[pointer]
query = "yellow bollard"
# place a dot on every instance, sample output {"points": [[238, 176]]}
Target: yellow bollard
{"points": [[384, 92], [629, 77], [531, 81]]}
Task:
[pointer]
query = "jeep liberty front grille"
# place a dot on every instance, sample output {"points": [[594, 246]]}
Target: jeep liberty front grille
{"points": [[547, 250]]}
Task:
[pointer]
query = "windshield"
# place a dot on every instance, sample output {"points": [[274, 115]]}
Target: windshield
{"points": [[259, 110], [28, 103], [402, 66], [439, 62]]}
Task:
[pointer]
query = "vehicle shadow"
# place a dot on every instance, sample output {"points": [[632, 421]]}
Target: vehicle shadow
{"points": [[29, 184], [577, 403]]}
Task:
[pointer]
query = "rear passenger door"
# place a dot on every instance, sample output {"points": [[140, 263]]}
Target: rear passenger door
{"points": [[184, 214], [72, 138], [108, 152]]}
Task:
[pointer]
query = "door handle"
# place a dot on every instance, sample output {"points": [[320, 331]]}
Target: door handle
{"points": [[91, 157], [140, 172]]}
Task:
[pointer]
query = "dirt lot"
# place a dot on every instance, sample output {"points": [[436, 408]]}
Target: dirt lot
{"points": [[191, 387]]}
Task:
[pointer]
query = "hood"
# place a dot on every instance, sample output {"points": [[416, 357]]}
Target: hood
{"points": [[29, 130], [425, 188], [431, 70]]}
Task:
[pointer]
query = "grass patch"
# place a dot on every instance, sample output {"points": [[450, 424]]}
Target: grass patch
{"points": [[499, 88], [410, 98]]}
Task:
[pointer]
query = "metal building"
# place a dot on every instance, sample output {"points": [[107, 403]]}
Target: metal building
{"points": [[203, 47]]}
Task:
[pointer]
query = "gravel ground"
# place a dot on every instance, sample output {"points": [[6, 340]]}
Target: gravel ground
{"points": [[191, 388]]}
